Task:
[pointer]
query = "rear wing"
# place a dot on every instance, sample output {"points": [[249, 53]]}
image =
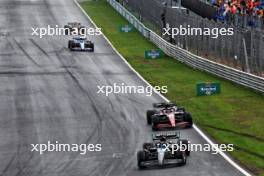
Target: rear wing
{"points": [[174, 135], [74, 23], [163, 105], [160, 115], [79, 38]]}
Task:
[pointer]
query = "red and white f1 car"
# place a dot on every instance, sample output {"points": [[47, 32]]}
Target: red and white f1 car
{"points": [[168, 115]]}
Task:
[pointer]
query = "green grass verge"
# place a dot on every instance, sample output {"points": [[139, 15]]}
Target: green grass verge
{"points": [[236, 116]]}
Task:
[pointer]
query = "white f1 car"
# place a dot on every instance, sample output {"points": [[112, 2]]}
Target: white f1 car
{"points": [[80, 44]]}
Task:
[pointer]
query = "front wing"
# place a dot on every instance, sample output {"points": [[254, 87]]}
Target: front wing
{"points": [[156, 163]]}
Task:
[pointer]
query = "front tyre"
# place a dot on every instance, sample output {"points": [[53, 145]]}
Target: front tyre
{"points": [[141, 157], [70, 45], [150, 113], [154, 127], [183, 159]]}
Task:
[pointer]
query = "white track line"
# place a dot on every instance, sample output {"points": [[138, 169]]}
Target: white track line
{"points": [[225, 156]]}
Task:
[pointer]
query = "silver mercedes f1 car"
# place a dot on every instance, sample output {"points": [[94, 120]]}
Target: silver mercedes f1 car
{"points": [[166, 149], [80, 44]]}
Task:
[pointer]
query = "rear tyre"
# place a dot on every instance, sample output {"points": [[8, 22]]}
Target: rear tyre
{"points": [[82, 30], [92, 48], [67, 30], [181, 109], [185, 142], [188, 118], [150, 113], [141, 157]]}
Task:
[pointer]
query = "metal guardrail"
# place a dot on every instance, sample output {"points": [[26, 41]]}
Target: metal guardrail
{"points": [[131, 18], [237, 76]]}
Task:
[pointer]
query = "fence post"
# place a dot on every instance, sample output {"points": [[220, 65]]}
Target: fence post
{"points": [[246, 56]]}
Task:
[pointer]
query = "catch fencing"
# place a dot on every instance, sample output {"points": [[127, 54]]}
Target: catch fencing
{"points": [[244, 50], [235, 75]]}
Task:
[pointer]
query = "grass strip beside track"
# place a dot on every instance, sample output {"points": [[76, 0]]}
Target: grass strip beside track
{"points": [[236, 116]]}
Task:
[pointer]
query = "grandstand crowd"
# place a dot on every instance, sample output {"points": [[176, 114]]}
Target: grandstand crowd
{"points": [[242, 7]]}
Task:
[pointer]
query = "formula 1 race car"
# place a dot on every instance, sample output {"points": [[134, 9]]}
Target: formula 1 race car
{"points": [[74, 28], [80, 44], [168, 115], [164, 150]]}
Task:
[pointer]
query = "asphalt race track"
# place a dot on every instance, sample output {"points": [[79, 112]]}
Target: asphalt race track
{"points": [[48, 93]]}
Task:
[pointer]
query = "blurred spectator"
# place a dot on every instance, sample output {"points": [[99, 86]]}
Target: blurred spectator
{"points": [[242, 7]]}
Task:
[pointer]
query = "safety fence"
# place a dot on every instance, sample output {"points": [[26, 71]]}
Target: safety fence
{"points": [[184, 56], [244, 50]]}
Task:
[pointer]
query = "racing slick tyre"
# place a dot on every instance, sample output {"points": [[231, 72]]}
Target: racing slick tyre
{"points": [[187, 150], [188, 118], [150, 113], [70, 43], [183, 159], [141, 157], [154, 127], [67, 30], [82, 30], [148, 145], [92, 48], [180, 155], [181, 109]]}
